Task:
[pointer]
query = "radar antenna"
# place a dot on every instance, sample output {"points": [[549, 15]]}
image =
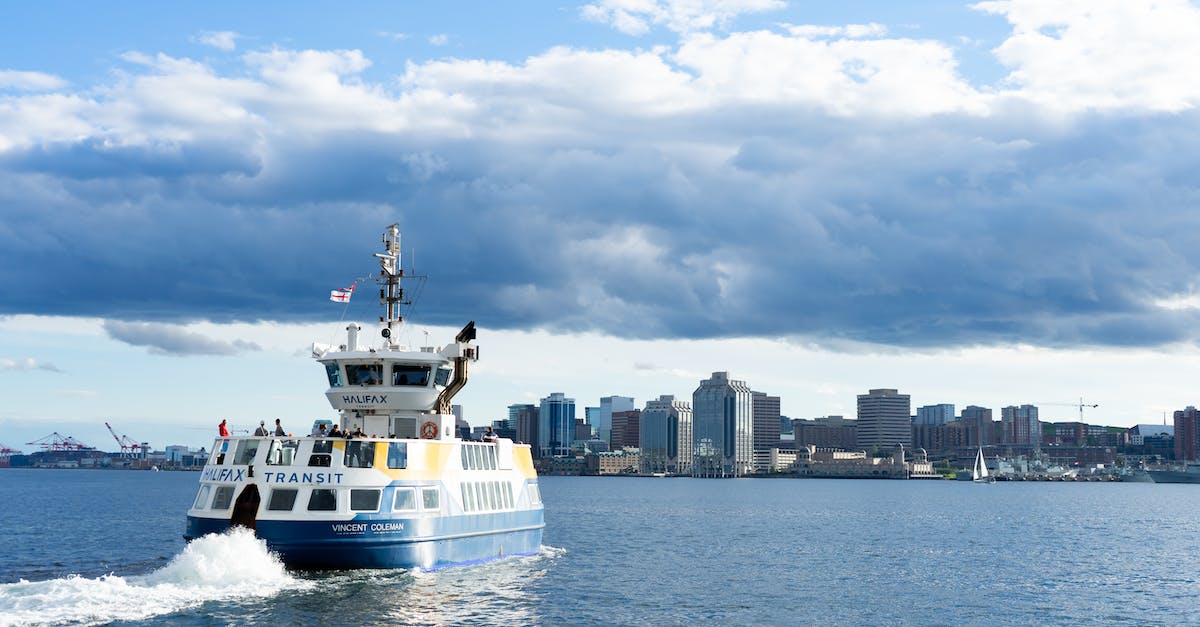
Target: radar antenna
{"points": [[391, 271]]}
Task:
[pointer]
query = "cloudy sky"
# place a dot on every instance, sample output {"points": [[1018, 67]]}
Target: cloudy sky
{"points": [[989, 203]]}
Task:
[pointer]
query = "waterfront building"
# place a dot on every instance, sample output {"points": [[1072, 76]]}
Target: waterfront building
{"points": [[524, 418], [665, 436], [765, 410], [980, 429], [825, 432], [722, 428], [625, 461], [884, 419], [608, 405], [1020, 426], [625, 428], [935, 414], [556, 425], [1187, 433]]}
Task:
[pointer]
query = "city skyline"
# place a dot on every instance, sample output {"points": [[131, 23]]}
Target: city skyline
{"points": [[985, 203]]}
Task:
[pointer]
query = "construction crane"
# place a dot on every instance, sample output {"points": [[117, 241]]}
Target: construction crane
{"points": [[59, 442]]}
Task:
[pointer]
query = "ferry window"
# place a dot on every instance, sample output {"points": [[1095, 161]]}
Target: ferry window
{"points": [[219, 452], [397, 455], [481, 495], [245, 452], [364, 374], [282, 500], [323, 446], [405, 500], [491, 452], [364, 500], [335, 375], [508, 495], [429, 498], [202, 497], [280, 454], [443, 376], [466, 463], [535, 496], [410, 375], [322, 500], [475, 465], [223, 497], [468, 497], [320, 460], [491, 492], [359, 454]]}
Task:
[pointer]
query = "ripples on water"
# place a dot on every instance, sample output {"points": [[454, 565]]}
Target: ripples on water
{"points": [[634, 551]]}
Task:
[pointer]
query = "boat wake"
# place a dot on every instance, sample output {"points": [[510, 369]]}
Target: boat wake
{"points": [[227, 567]]}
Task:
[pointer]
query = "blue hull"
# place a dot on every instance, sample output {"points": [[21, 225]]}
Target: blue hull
{"points": [[379, 542]]}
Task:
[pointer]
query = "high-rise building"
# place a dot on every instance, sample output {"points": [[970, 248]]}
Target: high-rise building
{"points": [[1020, 426], [766, 420], [608, 405], [665, 436], [884, 419], [590, 416], [1187, 433], [556, 425], [625, 428], [722, 428], [979, 425], [524, 419], [939, 414]]}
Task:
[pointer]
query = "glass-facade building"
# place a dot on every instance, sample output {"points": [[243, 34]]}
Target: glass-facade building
{"points": [[665, 436], [556, 425], [722, 428], [609, 405]]}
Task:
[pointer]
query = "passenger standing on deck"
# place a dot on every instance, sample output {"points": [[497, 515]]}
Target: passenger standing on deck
{"points": [[262, 428], [222, 430], [489, 435], [279, 428]]}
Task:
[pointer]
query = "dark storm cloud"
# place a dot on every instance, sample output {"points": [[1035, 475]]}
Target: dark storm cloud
{"points": [[774, 221]]}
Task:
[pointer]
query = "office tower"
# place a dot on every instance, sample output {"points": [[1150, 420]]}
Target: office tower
{"points": [[625, 428], [978, 423], [665, 436], [722, 428], [608, 405], [556, 425], [939, 414], [524, 419], [1021, 426], [1187, 433], [825, 432], [590, 416], [766, 420], [884, 419]]}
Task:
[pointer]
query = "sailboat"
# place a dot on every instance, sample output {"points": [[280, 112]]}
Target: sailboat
{"points": [[979, 474]]}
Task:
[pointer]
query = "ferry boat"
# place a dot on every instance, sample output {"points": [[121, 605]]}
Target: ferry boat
{"points": [[406, 493]]}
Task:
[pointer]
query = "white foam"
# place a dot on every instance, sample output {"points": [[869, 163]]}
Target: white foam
{"points": [[233, 565]]}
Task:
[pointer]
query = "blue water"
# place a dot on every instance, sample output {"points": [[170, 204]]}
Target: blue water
{"points": [[104, 547]]}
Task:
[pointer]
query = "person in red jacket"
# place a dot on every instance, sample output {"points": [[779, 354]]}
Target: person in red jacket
{"points": [[222, 430]]}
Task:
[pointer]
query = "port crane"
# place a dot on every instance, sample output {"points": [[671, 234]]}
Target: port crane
{"points": [[5, 451], [129, 447], [59, 442]]}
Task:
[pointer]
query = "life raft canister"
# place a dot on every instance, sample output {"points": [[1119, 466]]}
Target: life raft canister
{"points": [[429, 429]]}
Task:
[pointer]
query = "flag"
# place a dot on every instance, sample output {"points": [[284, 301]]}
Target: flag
{"points": [[342, 295]]}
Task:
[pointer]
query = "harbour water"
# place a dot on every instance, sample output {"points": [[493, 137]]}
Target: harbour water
{"points": [[101, 547]]}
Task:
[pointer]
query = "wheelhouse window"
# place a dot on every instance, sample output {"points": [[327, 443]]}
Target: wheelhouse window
{"points": [[322, 500], [359, 454], [202, 497], [334, 372], [429, 498], [409, 375], [397, 455], [442, 377], [405, 500], [223, 497], [282, 500], [364, 374], [364, 500], [246, 450]]}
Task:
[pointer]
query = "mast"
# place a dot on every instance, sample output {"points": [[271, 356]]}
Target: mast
{"points": [[391, 295]]}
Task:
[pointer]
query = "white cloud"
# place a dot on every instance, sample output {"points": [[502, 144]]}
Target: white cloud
{"points": [[1101, 54], [440, 39], [394, 36], [635, 17], [30, 81], [221, 39], [29, 363], [852, 31]]}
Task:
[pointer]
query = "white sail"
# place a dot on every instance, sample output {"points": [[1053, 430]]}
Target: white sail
{"points": [[980, 471]]}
